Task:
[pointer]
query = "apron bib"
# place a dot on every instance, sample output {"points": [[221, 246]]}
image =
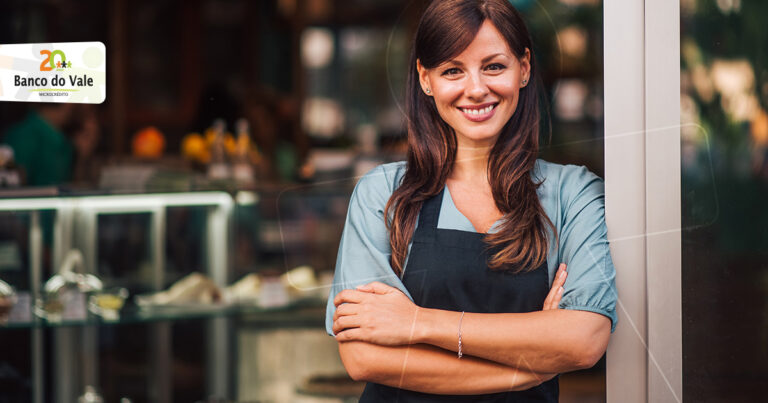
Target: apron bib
{"points": [[447, 269]]}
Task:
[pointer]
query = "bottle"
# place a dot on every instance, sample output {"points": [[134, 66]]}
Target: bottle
{"points": [[218, 168], [242, 169]]}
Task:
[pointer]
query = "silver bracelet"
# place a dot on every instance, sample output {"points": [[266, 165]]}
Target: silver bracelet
{"points": [[460, 318]]}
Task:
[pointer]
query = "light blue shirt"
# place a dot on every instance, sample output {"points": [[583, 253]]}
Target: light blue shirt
{"points": [[572, 197]]}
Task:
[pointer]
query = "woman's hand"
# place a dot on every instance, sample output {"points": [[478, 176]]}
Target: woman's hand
{"points": [[374, 313], [556, 292]]}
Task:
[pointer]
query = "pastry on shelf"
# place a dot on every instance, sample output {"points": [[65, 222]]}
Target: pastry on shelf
{"points": [[245, 290], [194, 290], [271, 290], [300, 282]]}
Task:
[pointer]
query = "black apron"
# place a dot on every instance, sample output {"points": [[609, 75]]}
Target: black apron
{"points": [[447, 269]]}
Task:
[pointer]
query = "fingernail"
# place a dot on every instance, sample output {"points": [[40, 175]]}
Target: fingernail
{"points": [[560, 290]]}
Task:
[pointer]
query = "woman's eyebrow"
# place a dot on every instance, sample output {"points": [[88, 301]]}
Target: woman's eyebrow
{"points": [[485, 59]]}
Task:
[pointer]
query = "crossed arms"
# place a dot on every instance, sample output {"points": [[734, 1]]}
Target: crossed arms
{"points": [[385, 338]]}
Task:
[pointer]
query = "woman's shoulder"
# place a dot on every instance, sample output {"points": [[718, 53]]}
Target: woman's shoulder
{"points": [[383, 178], [375, 187], [566, 182], [545, 170]]}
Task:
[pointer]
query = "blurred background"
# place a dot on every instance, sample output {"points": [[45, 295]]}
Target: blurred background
{"points": [[724, 144], [212, 184]]}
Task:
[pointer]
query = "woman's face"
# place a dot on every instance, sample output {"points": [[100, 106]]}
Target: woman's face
{"points": [[476, 92]]}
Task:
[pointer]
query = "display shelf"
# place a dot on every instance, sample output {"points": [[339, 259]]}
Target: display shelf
{"points": [[300, 311]]}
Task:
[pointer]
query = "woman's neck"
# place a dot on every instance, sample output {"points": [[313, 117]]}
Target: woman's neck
{"points": [[471, 163]]}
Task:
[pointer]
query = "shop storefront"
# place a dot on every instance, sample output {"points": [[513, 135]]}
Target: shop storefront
{"points": [[177, 241]]}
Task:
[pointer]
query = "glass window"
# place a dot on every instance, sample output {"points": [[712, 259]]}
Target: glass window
{"points": [[724, 157]]}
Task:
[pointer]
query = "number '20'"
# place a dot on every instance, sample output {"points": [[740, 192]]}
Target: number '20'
{"points": [[48, 63]]}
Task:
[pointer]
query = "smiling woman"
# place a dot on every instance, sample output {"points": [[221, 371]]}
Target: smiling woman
{"points": [[451, 277]]}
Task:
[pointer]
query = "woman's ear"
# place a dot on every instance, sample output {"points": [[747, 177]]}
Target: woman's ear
{"points": [[525, 67], [423, 78]]}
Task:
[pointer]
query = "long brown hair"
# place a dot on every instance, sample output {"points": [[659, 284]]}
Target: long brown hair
{"points": [[445, 30]]}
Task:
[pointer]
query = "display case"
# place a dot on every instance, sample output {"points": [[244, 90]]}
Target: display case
{"points": [[75, 226], [67, 356]]}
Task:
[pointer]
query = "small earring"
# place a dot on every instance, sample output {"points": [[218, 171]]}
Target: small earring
{"points": [[525, 81], [428, 91]]}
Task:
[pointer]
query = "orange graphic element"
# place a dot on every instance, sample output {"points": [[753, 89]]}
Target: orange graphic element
{"points": [[46, 64]]}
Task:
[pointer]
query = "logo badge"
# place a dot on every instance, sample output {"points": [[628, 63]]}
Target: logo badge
{"points": [[71, 72]]}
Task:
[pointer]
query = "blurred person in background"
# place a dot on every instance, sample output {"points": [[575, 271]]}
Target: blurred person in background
{"points": [[40, 146], [450, 280], [53, 143]]}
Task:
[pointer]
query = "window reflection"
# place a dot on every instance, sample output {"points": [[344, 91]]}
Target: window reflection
{"points": [[724, 138]]}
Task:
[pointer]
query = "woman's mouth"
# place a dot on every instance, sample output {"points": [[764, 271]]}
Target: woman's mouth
{"points": [[479, 113]]}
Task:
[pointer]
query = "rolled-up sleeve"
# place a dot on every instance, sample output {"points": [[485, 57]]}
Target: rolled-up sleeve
{"points": [[583, 245], [364, 250]]}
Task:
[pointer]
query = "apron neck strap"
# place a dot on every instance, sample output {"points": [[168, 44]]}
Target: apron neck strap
{"points": [[430, 211]]}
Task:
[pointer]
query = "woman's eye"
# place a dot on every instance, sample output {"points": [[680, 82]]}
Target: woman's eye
{"points": [[451, 72], [496, 67]]}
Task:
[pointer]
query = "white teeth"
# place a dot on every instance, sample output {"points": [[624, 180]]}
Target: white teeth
{"points": [[483, 111]]}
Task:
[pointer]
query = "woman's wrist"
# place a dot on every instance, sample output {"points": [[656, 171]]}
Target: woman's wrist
{"points": [[438, 327]]}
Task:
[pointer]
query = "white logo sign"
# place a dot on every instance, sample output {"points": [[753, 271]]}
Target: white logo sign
{"points": [[73, 72]]}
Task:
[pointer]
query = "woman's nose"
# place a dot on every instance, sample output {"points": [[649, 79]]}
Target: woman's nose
{"points": [[476, 87]]}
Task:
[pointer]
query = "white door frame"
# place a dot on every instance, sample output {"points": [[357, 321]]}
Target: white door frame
{"points": [[642, 187]]}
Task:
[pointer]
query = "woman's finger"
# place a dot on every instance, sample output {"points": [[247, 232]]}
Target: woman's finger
{"points": [[344, 322], [561, 276], [555, 303], [552, 290], [353, 296], [350, 335], [553, 300], [555, 292], [376, 287], [346, 309]]}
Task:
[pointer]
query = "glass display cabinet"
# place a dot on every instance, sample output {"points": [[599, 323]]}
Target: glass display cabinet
{"points": [[74, 222], [144, 243]]}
